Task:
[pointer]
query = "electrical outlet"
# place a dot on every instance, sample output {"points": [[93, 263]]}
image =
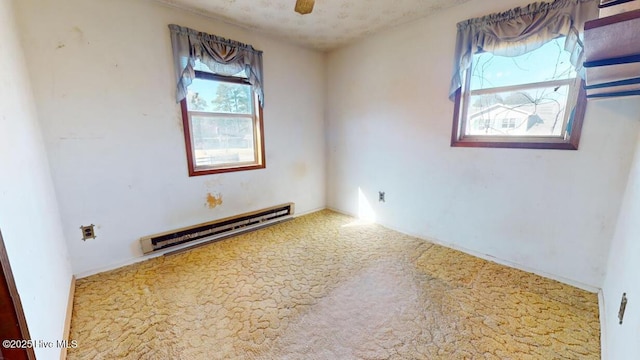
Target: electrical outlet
{"points": [[381, 196], [88, 232]]}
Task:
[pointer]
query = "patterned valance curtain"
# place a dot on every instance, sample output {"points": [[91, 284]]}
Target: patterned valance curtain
{"points": [[520, 30], [220, 55]]}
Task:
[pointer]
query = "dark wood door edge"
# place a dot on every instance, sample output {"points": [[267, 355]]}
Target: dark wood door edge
{"points": [[15, 299]]}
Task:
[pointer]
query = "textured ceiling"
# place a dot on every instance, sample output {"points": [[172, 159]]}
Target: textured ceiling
{"points": [[331, 24]]}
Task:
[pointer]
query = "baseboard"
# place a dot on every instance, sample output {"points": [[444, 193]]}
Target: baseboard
{"points": [[603, 326], [511, 264], [116, 265], [345, 213], [577, 284], [142, 258], [67, 321], [295, 215]]}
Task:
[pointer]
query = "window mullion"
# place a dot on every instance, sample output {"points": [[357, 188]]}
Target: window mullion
{"points": [[219, 114], [538, 85]]}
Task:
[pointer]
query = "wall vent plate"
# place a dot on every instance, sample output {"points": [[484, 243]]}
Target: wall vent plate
{"points": [[623, 307], [88, 232]]}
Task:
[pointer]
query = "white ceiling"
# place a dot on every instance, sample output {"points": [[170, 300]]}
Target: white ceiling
{"points": [[331, 24]]}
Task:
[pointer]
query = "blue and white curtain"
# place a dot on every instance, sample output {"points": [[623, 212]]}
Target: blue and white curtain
{"points": [[521, 30], [222, 56]]}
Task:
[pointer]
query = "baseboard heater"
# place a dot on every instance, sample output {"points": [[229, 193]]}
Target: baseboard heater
{"points": [[216, 229]]}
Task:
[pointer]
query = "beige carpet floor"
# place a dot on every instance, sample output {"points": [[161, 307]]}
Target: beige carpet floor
{"points": [[323, 286]]}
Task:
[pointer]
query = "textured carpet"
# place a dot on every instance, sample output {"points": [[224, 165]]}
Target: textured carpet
{"points": [[325, 287]]}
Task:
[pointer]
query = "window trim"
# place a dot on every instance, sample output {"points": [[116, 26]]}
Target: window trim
{"points": [[520, 142], [258, 128]]}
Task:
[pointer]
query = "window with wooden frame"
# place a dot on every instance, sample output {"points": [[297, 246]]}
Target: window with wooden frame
{"points": [[222, 120], [516, 80], [533, 100], [219, 85]]}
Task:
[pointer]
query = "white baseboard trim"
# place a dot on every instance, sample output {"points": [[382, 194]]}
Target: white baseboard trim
{"points": [[603, 326], [67, 320], [295, 215], [342, 212], [511, 264], [116, 265]]}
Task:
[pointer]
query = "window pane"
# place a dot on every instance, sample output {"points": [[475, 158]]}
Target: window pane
{"points": [[528, 112], [549, 62], [219, 140], [218, 96], [199, 66]]}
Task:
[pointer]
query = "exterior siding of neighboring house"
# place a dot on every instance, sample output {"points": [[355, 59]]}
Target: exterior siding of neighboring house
{"points": [[518, 120]]}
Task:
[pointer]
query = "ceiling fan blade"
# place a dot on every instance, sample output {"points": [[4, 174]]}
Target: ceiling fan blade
{"points": [[304, 6]]}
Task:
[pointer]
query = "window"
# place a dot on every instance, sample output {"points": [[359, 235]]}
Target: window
{"points": [[222, 124], [509, 124], [515, 80], [219, 88], [528, 101]]}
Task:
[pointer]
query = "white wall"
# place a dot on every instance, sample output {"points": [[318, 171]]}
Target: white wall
{"points": [[29, 216], [622, 342], [104, 83], [389, 128]]}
